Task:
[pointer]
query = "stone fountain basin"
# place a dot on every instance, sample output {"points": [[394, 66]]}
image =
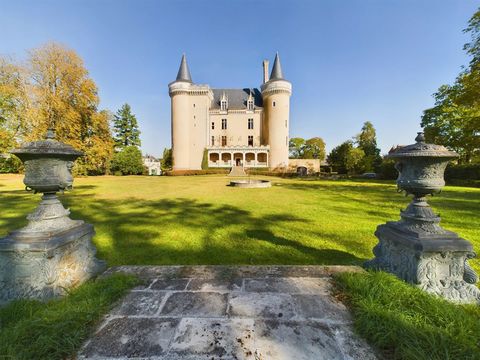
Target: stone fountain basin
{"points": [[250, 184]]}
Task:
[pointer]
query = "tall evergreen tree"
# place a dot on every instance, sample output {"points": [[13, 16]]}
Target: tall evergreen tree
{"points": [[125, 127]]}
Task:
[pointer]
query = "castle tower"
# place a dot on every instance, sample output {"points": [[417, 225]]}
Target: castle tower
{"points": [[179, 93], [190, 104], [276, 93]]}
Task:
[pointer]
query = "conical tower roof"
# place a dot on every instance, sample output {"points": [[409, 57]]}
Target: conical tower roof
{"points": [[277, 73], [183, 71]]}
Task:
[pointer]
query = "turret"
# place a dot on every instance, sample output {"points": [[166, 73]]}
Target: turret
{"points": [[276, 94], [181, 115]]}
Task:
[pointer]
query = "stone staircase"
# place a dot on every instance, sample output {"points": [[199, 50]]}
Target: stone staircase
{"points": [[237, 171]]}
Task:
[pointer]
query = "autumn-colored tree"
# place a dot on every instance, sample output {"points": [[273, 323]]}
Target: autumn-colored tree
{"points": [[13, 104], [59, 93]]}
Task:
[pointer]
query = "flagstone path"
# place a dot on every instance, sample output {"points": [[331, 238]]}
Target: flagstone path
{"points": [[229, 312]]}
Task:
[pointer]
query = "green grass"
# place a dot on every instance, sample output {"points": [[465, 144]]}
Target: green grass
{"points": [[200, 220], [407, 323], [56, 329]]}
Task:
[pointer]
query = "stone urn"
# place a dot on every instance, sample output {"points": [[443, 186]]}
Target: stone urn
{"points": [[52, 253], [416, 248], [48, 165]]}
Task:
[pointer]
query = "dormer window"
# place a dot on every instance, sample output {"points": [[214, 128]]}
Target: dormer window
{"points": [[250, 102], [224, 103]]}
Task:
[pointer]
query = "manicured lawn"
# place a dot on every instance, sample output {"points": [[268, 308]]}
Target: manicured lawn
{"points": [[407, 323], [56, 329], [200, 220]]}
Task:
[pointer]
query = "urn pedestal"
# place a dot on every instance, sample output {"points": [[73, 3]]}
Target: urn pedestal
{"points": [[416, 248], [52, 253], [47, 268]]}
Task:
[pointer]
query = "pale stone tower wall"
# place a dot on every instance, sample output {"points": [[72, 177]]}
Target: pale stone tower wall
{"points": [[200, 98], [276, 94], [181, 115]]}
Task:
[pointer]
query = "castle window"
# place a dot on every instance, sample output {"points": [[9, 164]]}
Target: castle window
{"points": [[193, 105], [286, 123], [250, 124], [273, 103], [250, 140], [213, 125], [250, 104], [224, 124], [286, 140], [224, 141], [213, 140]]}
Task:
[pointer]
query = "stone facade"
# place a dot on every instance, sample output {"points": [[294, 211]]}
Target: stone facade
{"points": [[236, 127]]}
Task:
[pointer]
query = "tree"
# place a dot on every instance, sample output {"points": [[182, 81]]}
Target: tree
{"points": [[53, 89], [454, 121], [125, 127], [367, 141], [314, 149], [128, 161], [353, 160], [13, 105], [296, 147], [167, 159], [338, 157]]}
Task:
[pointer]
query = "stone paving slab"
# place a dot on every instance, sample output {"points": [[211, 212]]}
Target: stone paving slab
{"points": [[222, 312]]}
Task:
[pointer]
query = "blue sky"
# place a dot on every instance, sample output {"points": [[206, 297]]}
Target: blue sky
{"points": [[348, 61]]}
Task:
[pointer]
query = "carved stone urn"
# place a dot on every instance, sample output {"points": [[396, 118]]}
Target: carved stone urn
{"points": [[416, 248], [52, 253]]}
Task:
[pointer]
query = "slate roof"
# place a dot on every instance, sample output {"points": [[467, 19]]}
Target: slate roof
{"points": [[237, 98], [184, 72], [277, 73]]}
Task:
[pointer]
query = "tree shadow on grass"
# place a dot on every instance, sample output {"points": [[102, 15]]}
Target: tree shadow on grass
{"points": [[328, 256], [186, 231]]}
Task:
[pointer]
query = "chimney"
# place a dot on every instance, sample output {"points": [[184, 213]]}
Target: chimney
{"points": [[265, 71]]}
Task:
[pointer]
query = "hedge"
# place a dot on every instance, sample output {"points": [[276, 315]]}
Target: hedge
{"points": [[463, 172], [196, 172]]}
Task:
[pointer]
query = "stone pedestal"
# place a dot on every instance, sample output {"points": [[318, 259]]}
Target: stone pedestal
{"points": [[435, 261], [41, 268]]}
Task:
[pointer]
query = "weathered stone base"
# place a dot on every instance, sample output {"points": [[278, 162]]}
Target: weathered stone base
{"points": [[436, 264], [45, 269]]}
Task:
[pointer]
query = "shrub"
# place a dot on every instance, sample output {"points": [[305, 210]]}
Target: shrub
{"points": [[10, 164], [387, 170], [196, 172], [463, 172], [128, 161]]}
